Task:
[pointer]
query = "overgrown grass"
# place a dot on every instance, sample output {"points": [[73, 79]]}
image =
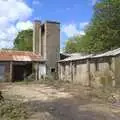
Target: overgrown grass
{"points": [[54, 83], [13, 110]]}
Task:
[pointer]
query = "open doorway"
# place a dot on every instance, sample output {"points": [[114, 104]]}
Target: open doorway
{"points": [[20, 72]]}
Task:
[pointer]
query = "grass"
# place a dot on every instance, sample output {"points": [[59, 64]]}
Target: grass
{"points": [[11, 109]]}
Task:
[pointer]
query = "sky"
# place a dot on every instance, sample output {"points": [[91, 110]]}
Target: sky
{"points": [[18, 15]]}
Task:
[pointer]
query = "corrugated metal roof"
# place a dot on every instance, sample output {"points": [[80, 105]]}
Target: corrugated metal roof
{"points": [[109, 53], [80, 57], [76, 57], [19, 56]]}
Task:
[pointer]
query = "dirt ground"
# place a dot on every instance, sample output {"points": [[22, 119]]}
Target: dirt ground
{"points": [[65, 103]]}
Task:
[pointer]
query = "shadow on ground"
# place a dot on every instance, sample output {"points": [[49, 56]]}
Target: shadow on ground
{"points": [[68, 109]]}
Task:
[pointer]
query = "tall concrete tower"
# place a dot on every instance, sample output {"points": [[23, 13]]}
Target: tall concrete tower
{"points": [[46, 42]]}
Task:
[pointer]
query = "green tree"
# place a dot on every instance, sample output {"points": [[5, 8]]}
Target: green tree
{"points": [[103, 32], [23, 41], [71, 45]]}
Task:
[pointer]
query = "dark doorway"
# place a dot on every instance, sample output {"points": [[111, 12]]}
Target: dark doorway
{"points": [[21, 71], [18, 72]]}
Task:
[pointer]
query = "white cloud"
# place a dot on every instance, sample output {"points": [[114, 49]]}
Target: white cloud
{"points": [[24, 25], [36, 2], [71, 30], [83, 24], [12, 11]]}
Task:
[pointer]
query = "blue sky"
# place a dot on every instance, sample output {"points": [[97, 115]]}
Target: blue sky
{"points": [[68, 12], [73, 15]]}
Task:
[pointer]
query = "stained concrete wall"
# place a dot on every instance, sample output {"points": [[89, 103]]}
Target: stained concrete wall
{"points": [[36, 36], [76, 72], [46, 42], [98, 72], [117, 70], [82, 73], [52, 43], [5, 73], [42, 70], [101, 72]]}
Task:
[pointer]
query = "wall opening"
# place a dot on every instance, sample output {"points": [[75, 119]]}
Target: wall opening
{"points": [[52, 70], [21, 72]]}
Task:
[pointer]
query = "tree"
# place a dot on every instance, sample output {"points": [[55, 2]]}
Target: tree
{"points": [[72, 44], [23, 41], [103, 33]]}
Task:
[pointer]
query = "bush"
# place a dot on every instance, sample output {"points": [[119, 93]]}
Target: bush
{"points": [[1, 96], [13, 110]]}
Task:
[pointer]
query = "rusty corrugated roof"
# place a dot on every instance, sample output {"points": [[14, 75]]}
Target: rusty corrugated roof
{"points": [[92, 56], [9, 55]]}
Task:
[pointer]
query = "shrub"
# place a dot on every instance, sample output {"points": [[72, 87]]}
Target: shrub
{"points": [[13, 110]]}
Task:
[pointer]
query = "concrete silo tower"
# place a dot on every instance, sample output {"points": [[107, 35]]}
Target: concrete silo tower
{"points": [[46, 42]]}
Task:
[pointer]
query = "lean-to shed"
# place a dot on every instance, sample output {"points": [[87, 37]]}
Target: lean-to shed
{"points": [[94, 70], [18, 65]]}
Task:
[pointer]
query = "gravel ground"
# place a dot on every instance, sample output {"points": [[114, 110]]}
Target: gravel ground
{"points": [[48, 103]]}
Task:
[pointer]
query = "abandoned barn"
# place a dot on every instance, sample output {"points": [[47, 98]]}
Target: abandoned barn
{"points": [[91, 70], [18, 65]]}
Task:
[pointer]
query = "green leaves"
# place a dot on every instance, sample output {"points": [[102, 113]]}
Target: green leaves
{"points": [[103, 33], [24, 40], [72, 45], [104, 30]]}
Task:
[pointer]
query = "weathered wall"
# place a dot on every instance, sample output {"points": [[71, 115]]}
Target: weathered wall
{"points": [[101, 72], [5, 71], [36, 36], [46, 42], [82, 73], [52, 43], [42, 70], [95, 72], [76, 72], [117, 70]]}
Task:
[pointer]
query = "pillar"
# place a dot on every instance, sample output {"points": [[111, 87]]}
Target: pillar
{"points": [[11, 69], [114, 72], [71, 71], [36, 36], [88, 72]]}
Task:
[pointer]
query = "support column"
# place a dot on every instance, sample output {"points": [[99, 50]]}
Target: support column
{"points": [[71, 71], [11, 71], [58, 71], [36, 72], [36, 68], [36, 37], [114, 73], [88, 67]]}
